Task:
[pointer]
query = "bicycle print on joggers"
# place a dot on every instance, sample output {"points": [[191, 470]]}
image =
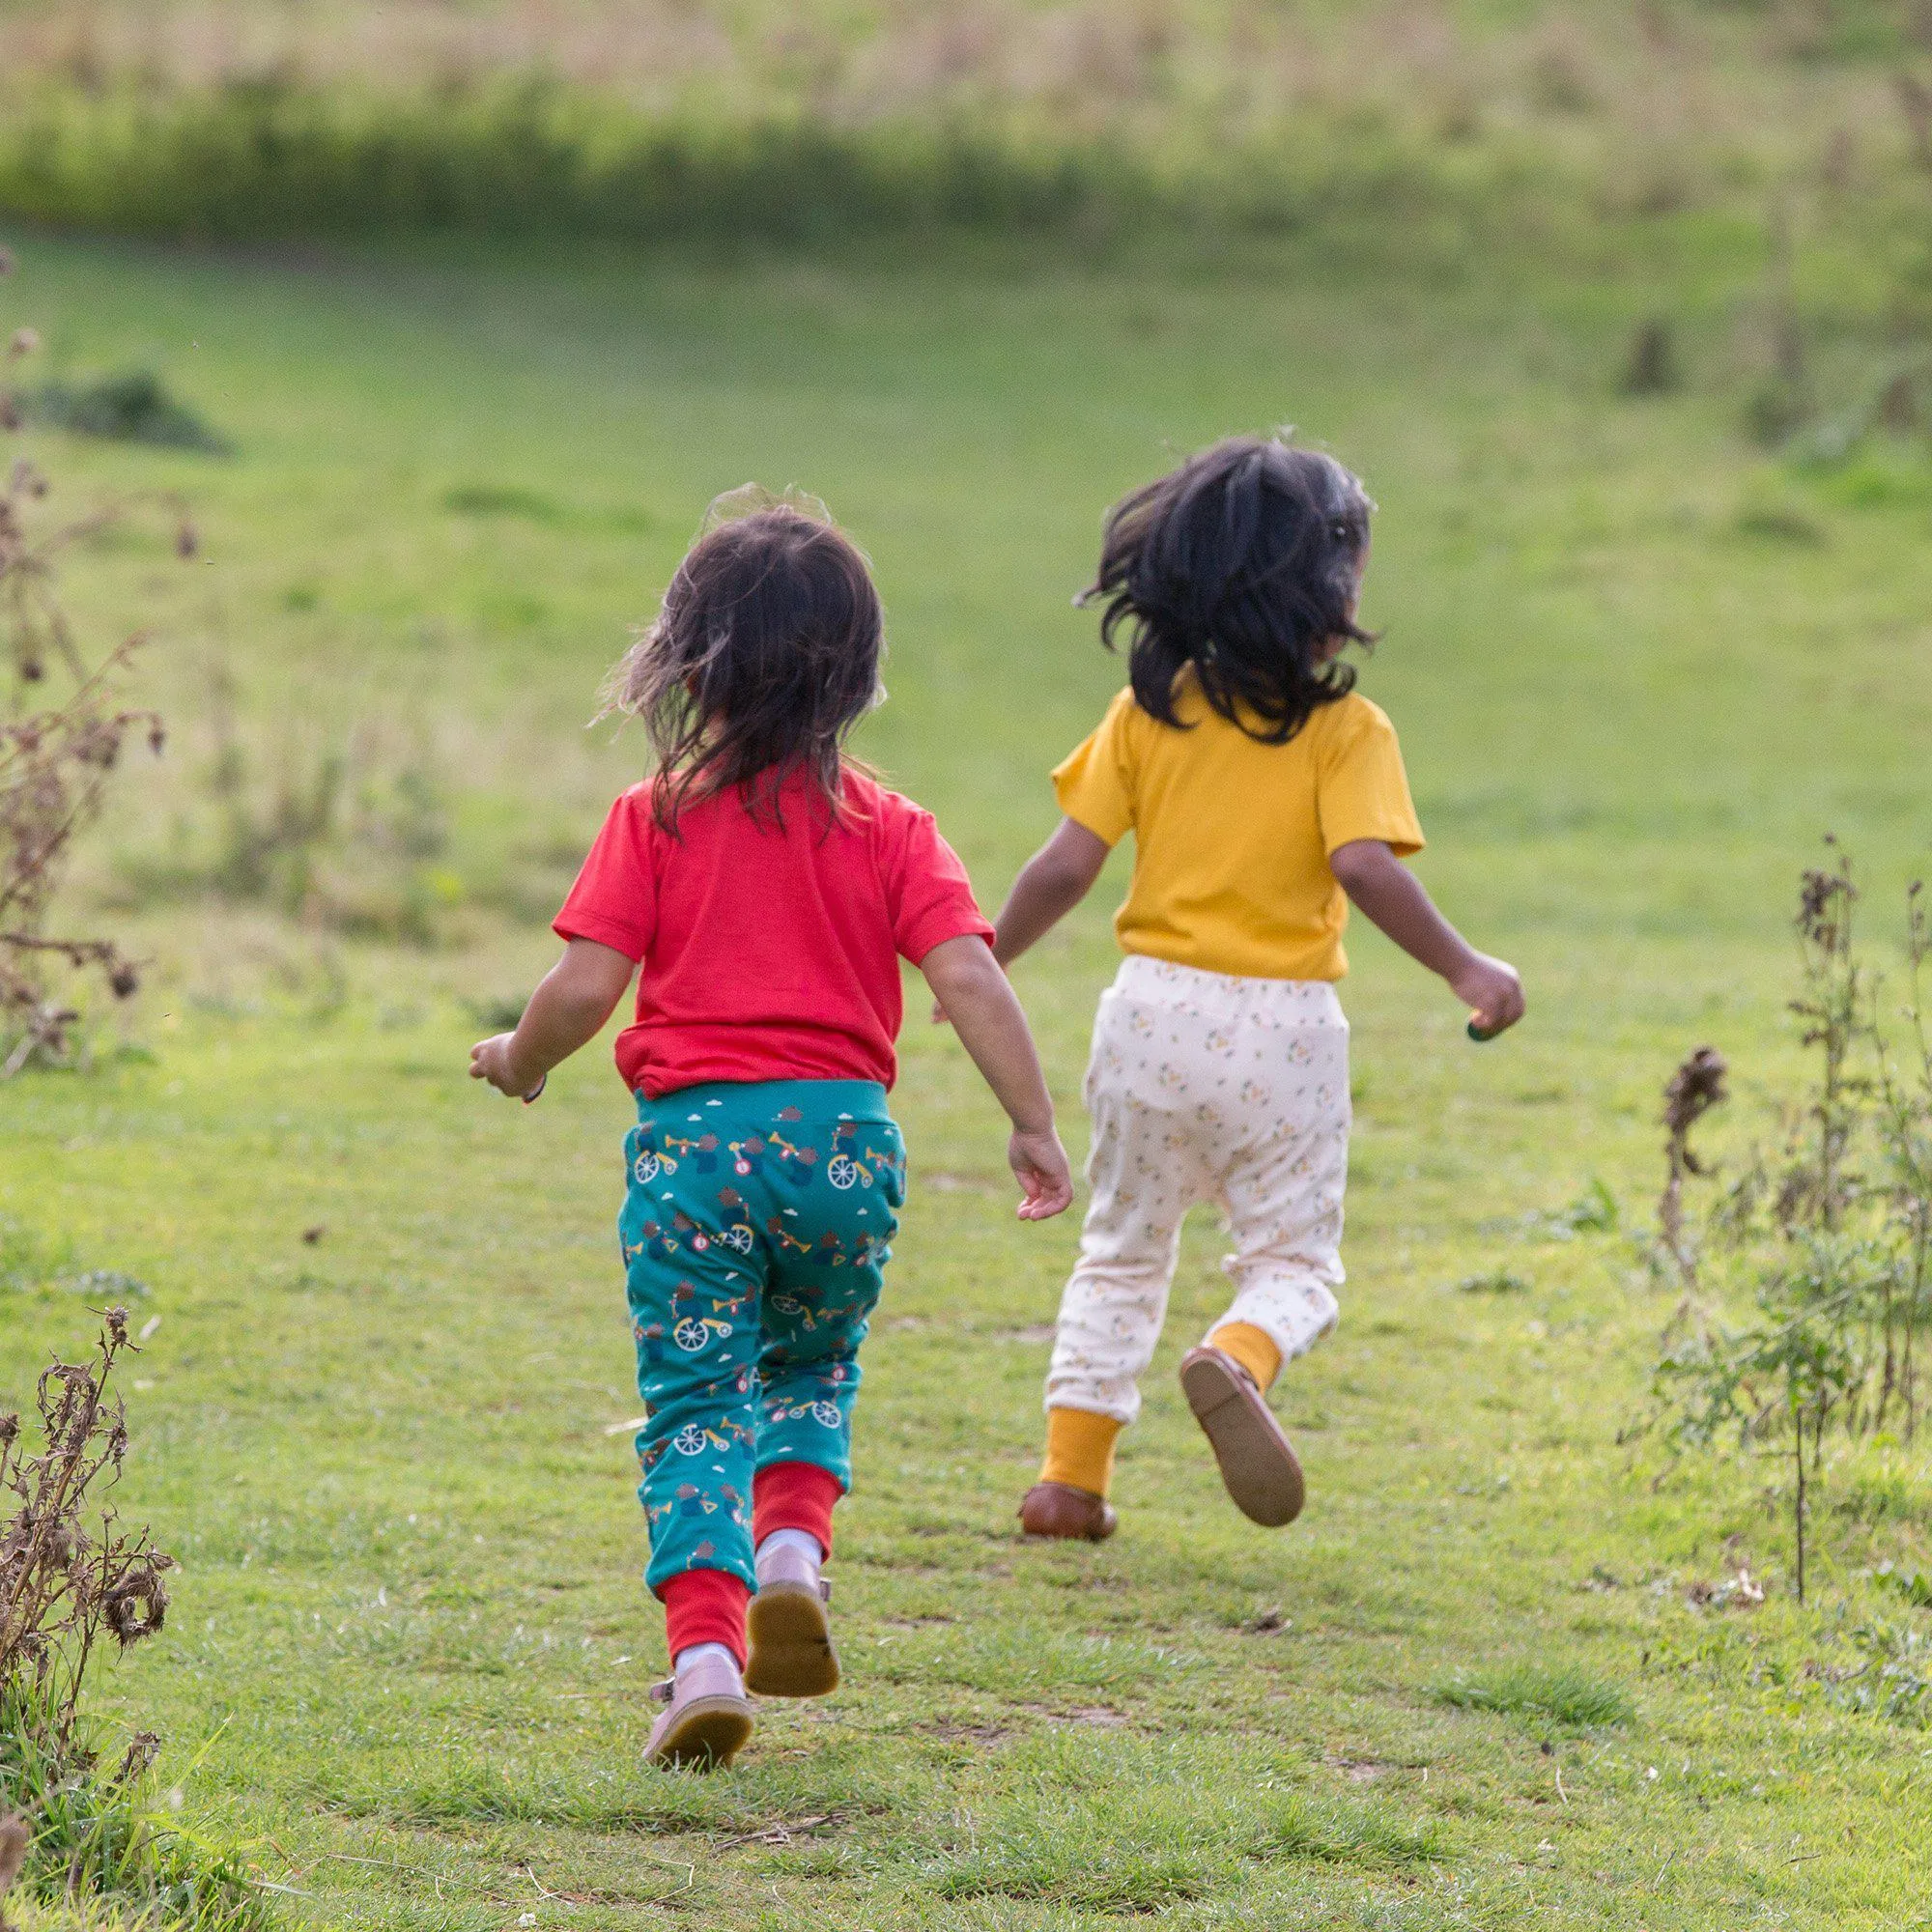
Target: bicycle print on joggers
{"points": [[757, 1224]]}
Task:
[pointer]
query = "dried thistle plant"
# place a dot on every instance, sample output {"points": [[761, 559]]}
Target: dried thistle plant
{"points": [[68, 1575], [1693, 1091], [56, 759], [83, 1838], [1836, 1241], [1819, 1187]]}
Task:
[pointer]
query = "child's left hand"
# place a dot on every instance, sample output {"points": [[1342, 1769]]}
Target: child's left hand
{"points": [[490, 1059]]}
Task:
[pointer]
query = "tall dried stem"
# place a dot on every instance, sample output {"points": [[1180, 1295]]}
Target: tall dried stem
{"points": [[68, 1573], [1693, 1091], [56, 759], [1843, 1260], [1817, 1190]]}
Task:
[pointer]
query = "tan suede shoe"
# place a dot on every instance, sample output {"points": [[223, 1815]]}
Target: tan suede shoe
{"points": [[708, 1722], [1058, 1509], [1258, 1463]]}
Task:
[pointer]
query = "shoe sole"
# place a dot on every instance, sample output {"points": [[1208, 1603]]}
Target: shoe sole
{"points": [[791, 1644], [1258, 1466], [708, 1734]]}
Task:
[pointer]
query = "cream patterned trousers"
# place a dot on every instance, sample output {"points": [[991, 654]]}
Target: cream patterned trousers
{"points": [[1205, 1087]]}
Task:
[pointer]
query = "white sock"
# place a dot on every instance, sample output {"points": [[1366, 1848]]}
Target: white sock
{"points": [[801, 1540], [697, 1653]]}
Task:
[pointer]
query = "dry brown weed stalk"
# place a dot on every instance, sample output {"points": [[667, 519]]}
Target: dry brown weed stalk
{"points": [[1818, 1185], [69, 1576], [56, 757], [1693, 1090]]}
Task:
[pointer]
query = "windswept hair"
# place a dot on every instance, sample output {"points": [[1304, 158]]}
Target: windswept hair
{"points": [[1241, 563], [764, 656]]}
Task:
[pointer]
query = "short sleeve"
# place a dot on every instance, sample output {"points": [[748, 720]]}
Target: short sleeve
{"points": [[1094, 782], [928, 891], [1361, 788], [614, 900]]}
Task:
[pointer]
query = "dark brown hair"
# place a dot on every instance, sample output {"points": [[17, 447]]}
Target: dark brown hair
{"points": [[764, 656], [1241, 563]]}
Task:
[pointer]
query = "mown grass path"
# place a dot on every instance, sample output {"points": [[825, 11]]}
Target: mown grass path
{"points": [[408, 1649]]}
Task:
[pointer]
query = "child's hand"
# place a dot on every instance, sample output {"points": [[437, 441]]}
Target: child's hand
{"points": [[967, 982], [1040, 1165], [1492, 992], [490, 1059], [566, 1011]]}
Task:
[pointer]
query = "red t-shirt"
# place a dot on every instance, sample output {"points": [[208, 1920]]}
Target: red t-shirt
{"points": [[769, 952]]}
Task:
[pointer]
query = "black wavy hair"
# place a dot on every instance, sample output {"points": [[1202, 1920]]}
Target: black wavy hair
{"points": [[765, 655], [1240, 564]]}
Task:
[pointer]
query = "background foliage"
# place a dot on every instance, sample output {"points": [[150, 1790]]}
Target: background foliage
{"points": [[1438, 124]]}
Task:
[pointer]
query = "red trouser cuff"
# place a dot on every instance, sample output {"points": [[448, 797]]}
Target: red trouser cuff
{"points": [[705, 1607], [794, 1495]]}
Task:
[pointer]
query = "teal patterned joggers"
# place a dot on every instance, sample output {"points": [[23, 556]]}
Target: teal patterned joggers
{"points": [[757, 1224]]}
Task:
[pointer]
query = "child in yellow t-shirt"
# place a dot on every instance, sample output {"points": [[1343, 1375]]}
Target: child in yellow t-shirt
{"points": [[1263, 794]]}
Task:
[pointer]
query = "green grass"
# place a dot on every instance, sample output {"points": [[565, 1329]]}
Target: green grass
{"points": [[405, 1664], [101, 1849], [1566, 1694]]}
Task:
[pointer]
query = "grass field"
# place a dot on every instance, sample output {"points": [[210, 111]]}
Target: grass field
{"points": [[1638, 669]]}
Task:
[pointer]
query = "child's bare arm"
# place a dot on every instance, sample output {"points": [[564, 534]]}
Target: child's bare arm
{"points": [[566, 1011], [968, 983], [1050, 885], [1393, 896]]}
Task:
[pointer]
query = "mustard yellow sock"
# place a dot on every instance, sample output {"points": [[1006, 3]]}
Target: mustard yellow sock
{"points": [[1253, 1348], [1080, 1449]]}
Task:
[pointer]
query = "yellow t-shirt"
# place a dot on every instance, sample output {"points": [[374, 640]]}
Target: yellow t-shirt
{"points": [[1232, 837]]}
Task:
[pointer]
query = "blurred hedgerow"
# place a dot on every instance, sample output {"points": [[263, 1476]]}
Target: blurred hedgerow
{"points": [[655, 119], [57, 754], [1830, 1235]]}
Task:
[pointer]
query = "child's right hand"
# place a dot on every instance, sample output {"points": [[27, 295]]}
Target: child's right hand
{"points": [[1041, 1166], [490, 1059], [1492, 992]]}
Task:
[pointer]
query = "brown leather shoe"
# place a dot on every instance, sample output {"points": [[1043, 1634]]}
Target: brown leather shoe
{"points": [[1257, 1461], [1058, 1509]]}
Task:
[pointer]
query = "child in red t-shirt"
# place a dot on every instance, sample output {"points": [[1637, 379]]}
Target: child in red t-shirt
{"points": [[768, 886]]}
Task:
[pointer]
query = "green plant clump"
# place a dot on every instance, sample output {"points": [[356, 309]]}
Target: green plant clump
{"points": [[1563, 1693], [131, 408], [101, 1851]]}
